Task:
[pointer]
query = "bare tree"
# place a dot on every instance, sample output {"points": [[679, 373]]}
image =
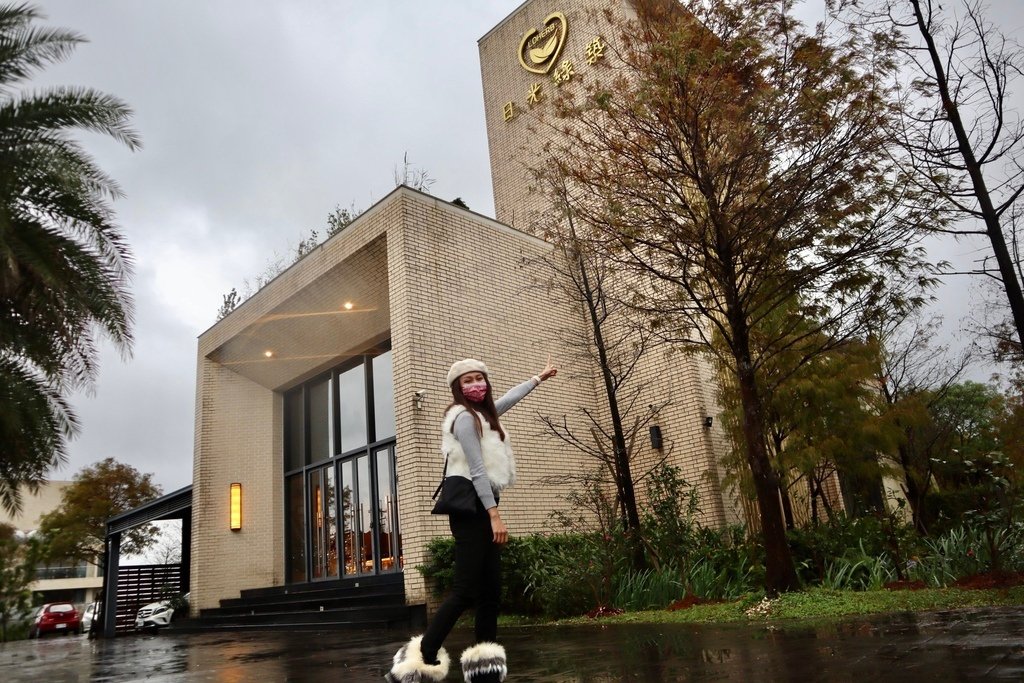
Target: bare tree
{"points": [[411, 175], [614, 342], [963, 140], [167, 546]]}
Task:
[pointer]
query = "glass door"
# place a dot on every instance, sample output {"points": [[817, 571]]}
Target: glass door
{"points": [[341, 507], [369, 513], [323, 523], [389, 553]]}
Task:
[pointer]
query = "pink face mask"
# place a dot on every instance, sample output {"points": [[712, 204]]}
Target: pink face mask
{"points": [[475, 391]]}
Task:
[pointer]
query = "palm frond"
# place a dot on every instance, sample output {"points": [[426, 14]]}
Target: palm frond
{"points": [[36, 116], [34, 425]]}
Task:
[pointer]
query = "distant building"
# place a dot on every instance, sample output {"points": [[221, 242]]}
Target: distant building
{"points": [[77, 582]]}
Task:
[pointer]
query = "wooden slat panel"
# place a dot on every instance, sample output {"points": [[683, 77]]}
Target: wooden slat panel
{"points": [[140, 585]]}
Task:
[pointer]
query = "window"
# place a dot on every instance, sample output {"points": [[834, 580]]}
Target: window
{"points": [[320, 420], [295, 430], [341, 515], [352, 408], [383, 397]]}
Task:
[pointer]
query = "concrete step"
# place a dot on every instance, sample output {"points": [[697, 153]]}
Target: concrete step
{"points": [[359, 583], [369, 614], [201, 626], [315, 598]]}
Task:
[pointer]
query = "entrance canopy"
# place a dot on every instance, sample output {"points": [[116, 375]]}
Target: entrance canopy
{"points": [[344, 308]]}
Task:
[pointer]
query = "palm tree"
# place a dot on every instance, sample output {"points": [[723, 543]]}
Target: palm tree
{"points": [[64, 265]]}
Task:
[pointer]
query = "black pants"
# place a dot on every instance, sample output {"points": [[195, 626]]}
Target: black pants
{"points": [[477, 582]]}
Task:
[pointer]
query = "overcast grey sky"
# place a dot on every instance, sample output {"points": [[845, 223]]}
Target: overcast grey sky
{"points": [[257, 119]]}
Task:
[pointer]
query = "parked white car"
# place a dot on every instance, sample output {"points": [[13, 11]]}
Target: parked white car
{"points": [[88, 614], [155, 615]]}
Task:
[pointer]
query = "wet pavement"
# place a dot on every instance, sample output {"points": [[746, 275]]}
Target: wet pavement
{"points": [[960, 645]]}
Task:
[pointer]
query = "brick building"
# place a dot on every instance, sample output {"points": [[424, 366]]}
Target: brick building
{"points": [[322, 394]]}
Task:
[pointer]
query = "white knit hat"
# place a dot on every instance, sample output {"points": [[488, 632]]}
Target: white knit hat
{"points": [[461, 367]]}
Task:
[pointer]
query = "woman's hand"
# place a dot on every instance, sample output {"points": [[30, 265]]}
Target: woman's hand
{"points": [[498, 527], [549, 370]]}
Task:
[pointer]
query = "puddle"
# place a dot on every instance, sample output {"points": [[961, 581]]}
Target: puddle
{"points": [[967, 644]]}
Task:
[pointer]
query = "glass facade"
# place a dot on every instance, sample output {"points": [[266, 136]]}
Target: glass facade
{"points": [[341, 499]]}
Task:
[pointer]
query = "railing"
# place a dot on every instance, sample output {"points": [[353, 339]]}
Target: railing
{"points": [[43, 573]]}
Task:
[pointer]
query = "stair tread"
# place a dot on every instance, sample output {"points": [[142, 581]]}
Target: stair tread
{"points": [[311, 597], [338, 610]]}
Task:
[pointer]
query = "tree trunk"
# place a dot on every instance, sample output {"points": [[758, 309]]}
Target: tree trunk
{"points": [[623, 475], [813, 489], [787, 507], [913, 491], [824, 499], [780, 574]]}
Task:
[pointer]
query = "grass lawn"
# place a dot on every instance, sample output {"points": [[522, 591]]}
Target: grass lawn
{"points": [[814, 603]]}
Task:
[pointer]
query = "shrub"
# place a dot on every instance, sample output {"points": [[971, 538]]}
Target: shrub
{"points": [[817, 547], [540, 574], [669, 521], [859, 571]]}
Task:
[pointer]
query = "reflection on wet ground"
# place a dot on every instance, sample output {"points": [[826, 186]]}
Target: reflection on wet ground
{"points": [[940, 646]]}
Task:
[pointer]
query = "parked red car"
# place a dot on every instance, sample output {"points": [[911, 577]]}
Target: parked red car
{"points": [[55, 617]]}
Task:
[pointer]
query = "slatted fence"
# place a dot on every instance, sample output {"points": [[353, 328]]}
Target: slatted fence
{"points": [[140, 585]]}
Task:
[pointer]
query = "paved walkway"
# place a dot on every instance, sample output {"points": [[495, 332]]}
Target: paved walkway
{"points": [[961, 645]]}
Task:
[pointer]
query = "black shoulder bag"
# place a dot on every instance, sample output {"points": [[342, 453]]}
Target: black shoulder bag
{"points": [[458, 495]]}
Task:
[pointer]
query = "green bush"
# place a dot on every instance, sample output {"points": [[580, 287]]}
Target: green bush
{"points": [[669, 520], [540, 574], [439, 569], [818, 547], [859, 570]]}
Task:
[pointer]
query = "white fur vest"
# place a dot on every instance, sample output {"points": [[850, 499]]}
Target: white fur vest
{"points": [[497, 454]]}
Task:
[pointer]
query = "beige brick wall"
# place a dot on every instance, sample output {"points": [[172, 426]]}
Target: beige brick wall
{"points": [[461, 286], [518, 145], [685, 381], [238, 434]]}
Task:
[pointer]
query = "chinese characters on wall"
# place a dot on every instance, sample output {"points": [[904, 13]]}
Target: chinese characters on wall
{"points": [[543, 59]]}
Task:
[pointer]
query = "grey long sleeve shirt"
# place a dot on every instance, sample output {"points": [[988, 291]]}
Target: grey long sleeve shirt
{"points": [[465, 432]]}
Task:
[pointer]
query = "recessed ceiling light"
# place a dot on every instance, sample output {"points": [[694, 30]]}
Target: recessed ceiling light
{"points": [[348, 305], [268, 353]]}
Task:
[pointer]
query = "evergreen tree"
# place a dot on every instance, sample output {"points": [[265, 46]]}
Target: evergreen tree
{"points": [[64, 264]]}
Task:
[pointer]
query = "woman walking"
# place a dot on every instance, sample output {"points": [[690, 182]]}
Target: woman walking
{"points": [[477, 448]]}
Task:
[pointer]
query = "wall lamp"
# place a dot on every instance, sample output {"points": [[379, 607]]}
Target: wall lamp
{"points": [[656, 442], [708, 420], [236, 506]]}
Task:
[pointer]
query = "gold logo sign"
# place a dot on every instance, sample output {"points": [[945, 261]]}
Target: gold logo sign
{"points": [[539, 49]]}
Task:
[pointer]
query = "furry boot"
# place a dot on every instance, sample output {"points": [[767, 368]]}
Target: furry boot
{"points": [[409, 667], [484, 663]]}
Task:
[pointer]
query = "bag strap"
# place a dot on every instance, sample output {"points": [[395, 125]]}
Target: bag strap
{"points": [[443, 476]]}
